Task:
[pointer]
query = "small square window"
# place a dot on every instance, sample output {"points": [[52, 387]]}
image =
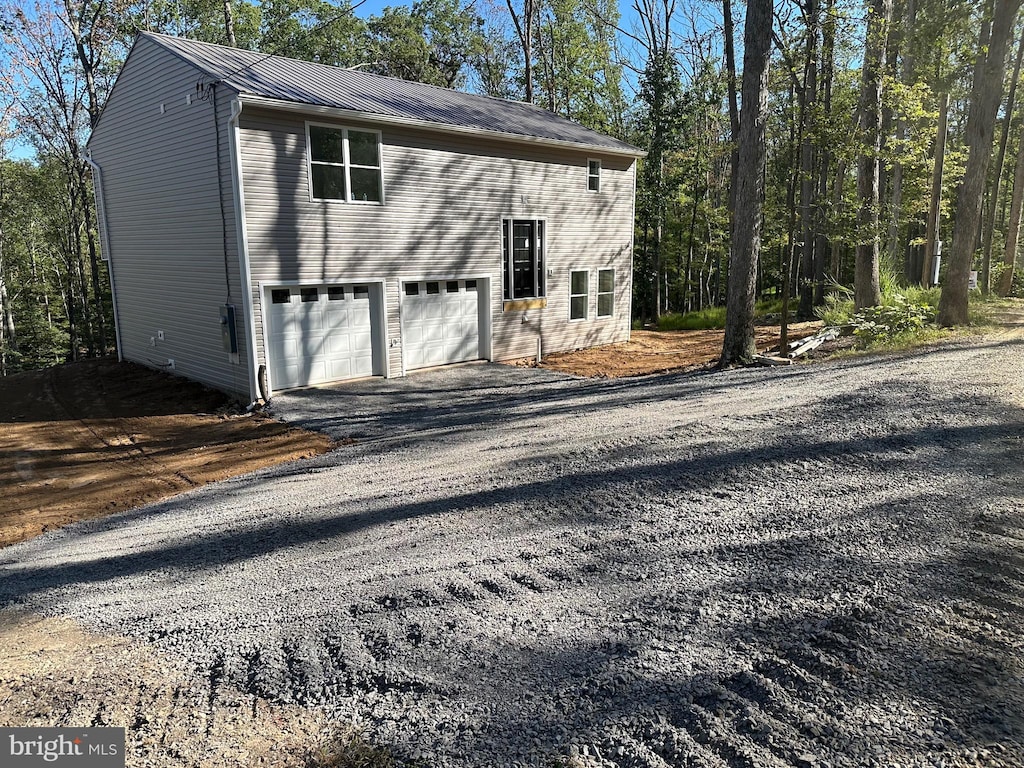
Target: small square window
{"points": [[452, 286], [412, 289], [433, 288], [310, 294], [281, 296], [335, 293], [360, 292], [471, 285], [594, 175]]}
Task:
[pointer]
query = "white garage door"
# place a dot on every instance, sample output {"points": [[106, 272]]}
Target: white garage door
{"points": [[440, 322], [319, 334]]}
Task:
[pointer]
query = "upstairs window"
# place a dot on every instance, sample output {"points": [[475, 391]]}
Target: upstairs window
{"points": [[522, 250], [594, 175], [344, 164]]}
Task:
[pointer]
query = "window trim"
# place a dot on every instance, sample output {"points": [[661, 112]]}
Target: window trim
{"points": [[594, 175], [506, 259], [586, 309], [346, 164], [600, 293]]}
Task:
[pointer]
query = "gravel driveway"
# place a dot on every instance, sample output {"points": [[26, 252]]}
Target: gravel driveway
{"points": [[819, 565]]}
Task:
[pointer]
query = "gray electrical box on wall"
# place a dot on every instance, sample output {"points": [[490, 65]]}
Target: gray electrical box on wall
{"points": [[227, 328]]}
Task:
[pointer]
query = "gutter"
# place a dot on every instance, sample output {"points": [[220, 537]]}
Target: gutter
{"points": [[101, 220], [242, 244], [373, 117]]}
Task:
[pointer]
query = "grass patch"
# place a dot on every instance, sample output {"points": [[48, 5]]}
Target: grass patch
{"points": [[350, 749], [702, 320]]}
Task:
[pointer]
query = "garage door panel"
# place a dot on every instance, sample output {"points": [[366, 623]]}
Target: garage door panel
{"points": [[442, 327], [361, 342], [338, 344], [322, 340]]}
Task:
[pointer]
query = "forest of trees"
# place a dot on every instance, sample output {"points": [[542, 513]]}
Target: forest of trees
{"points": [[795, 147]]}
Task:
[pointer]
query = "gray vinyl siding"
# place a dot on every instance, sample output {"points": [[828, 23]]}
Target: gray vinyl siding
{"points": [[445, 196], [166, 232]]}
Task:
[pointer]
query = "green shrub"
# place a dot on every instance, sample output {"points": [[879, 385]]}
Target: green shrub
{"points": [[836, 310], [704, 319], [900, 317], [770, 307]]}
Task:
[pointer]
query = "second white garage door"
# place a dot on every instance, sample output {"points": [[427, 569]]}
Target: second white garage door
{"points": [[320, 333], [440, 322]]}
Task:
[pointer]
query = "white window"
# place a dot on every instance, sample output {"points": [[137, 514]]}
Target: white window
{"points": [[522, 251], [594, 175], [344, 164], [579, 294], [605, 292]]}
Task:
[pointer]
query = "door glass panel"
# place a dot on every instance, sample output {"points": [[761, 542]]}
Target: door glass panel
{"points": [[524, 259], [310, 294]]}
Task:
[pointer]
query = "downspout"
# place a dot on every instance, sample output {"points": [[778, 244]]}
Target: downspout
{"points": [[242, 242], [632, 246], [101, 217]]}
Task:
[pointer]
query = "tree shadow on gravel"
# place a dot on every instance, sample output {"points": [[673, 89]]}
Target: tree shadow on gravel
{"points": [[423, 405], [582, 496], [786, 596]]}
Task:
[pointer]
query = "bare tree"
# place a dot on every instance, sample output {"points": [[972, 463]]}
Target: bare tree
{"points": [[524, 22]]}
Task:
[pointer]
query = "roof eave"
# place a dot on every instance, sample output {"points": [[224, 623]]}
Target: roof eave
{"points": [[351, 114]]}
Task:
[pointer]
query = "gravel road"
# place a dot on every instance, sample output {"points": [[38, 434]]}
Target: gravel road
{"points": [[814, 566]]}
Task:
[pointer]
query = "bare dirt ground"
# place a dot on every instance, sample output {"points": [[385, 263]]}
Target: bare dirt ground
{"points": [[57, 674], [85, 440], [649, 352]]}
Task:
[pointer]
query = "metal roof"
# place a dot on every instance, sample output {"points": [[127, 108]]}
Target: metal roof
{"points": [[319, 85]]}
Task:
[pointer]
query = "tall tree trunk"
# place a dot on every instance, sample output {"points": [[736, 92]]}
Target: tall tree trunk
{"points": [[734, 124], [986, 93], [524, 29], [824, 166], [1013, 227], [990, 224], [866, 291], [896, 200], [738, 344], [8, 339], [547, 61], [808, 155], [790, 264], [229, 24], [931, 236]]}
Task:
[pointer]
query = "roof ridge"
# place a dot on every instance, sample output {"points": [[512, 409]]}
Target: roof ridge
{"points": [[315, 84], [262, 56]]}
